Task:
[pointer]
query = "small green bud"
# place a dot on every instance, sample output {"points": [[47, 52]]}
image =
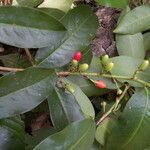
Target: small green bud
{"points": [[70, 88], [74, 63], [144, 65], [119, 92], [109, 66], [83, 67], [105, 59]]}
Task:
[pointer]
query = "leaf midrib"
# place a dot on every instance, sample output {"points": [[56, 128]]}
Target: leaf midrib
{"points": [[31, 28], [80, 139], [136, 21], [69, 37], [19, 90]]}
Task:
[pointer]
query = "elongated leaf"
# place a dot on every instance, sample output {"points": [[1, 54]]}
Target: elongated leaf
{"points": [[130, 45], [11, 134], [63, 5], [36, 30], [53, 12], [83, 101], [81, 24], [29, 3], [104, 130], [64, 109], [146, 38], [22, 91], [76, 136], [114, 3], [133, 125], [137, 20]]}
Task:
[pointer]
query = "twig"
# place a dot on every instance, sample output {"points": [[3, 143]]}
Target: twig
{"points": [[114, 106], [29, 55], [7, 69]]}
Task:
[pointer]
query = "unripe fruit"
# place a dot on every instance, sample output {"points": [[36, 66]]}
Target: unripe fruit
{"points": [[83, 67], [70, 88], [74, 63], [144, 65], [109, 66], [119, 92], [77, 56], [105, 59], [100, 84]]}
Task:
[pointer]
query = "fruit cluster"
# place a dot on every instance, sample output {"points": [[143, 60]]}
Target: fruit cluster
{"points": [[84, 67]]}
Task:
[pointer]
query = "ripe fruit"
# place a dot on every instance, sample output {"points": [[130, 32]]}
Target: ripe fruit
{"points": [[100, 84], [109, 66], [105, 59], [83, 67], [77, 56], [144, 65], [74, 63]]}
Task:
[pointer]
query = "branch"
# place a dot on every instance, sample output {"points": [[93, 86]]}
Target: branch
{"points": [[112, 109], [7, 69]]}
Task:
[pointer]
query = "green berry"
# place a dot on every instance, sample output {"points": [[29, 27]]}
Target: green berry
{"points": [[109, 66], [119, 92], [83, 67], [144, 65], [105, 59], [70, 88], [74, 63]]}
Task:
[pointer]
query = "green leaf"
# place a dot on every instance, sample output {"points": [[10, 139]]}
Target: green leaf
{"points": [[104, 130], [145, 75], [130, 45], [87, 55], [53, 12], [29, 3], [15, 60], [11, 134], [135, 21], [83, 101], [37, 31], [132, 128], [114, 3], [64, 108], [22, 91], [146, 38], [78, 135], [123, 13], [63, 5], [82, 24]]}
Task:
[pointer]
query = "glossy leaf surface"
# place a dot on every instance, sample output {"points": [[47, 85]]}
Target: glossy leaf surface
{"points": [[137, 20], [76, 136], [38, 30], [22, 91], [81, 24]]}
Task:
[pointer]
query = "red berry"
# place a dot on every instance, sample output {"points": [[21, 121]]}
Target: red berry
{"points": [[77, 56], [100, 84]]}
